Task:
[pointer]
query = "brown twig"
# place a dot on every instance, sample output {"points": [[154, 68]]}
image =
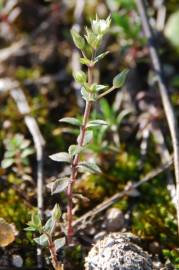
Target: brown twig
{"points": [[83, 220], [56, 264], [169, 112]]}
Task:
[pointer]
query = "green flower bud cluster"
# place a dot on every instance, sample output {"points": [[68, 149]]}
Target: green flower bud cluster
{"points": [[92, 39], [100, 27], [94, 35]]}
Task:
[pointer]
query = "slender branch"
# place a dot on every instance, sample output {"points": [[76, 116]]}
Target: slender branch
{"points": [[110, 201], [56, 264], [76, 160], [106, 92], [169, 112]]}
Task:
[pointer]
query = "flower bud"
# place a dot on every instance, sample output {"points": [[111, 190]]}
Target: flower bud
{"points": [[93, 39], [56, 212], [80, 77], [100, 27], [119, 79]]}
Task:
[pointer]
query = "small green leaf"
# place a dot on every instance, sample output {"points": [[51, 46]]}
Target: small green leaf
{"points": [[95, 123], [106, 110], [56, 212], [24, 144], [78, 40], [85, 94], [70, 120], [61, 157], [35, 224], [80, 77], [9, 154], [85, 61], [75, 150], [89, 167], [36, 220], [101, 56], [30, 229], [6, 163], [49, 225], [42, 240], [97, 87], [93, 39], [59, 243], [27, 152], [122, 115], [119, 80], [88, 137], [59, 185]]}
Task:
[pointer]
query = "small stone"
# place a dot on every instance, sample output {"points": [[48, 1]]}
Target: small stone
{"points": [[154, 247], [92, 231], [118, 251], [17, 260], [157, 265], [114, 220]]}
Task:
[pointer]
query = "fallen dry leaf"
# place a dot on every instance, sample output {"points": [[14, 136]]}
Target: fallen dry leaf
{"points": [[7, 233]]}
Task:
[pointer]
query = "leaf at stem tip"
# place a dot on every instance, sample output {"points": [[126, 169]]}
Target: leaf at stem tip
{"points": [[96, 123], [59, 243], [119, 79], [70, 120], [61, 157], [75, 149], [59, 185], [42, 240], [89, 167]]}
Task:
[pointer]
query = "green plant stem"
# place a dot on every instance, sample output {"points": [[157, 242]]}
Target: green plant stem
{"points": [[56, 264], [87, 111], [107, 92]]}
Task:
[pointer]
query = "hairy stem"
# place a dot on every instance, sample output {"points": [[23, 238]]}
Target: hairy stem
{"points": [[56, 264], [73, 178]]}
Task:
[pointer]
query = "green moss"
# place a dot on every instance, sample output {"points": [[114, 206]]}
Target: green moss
{"points": [[75, 257], [13, 210], [154, 217], [122, 204], [23, 73]]}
